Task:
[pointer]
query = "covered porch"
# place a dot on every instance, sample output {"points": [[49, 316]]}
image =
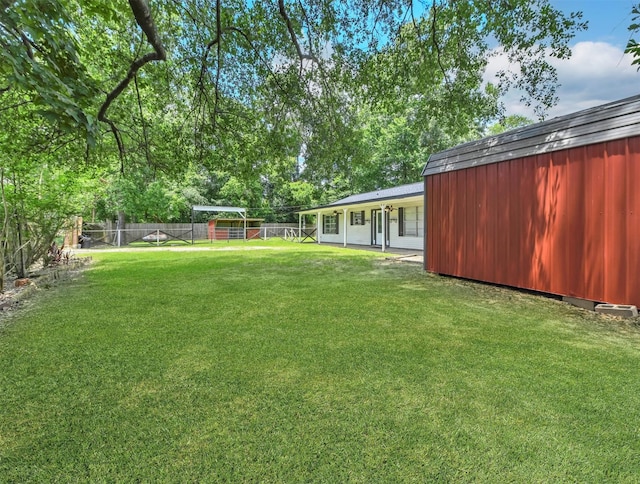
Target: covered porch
{"points": [[384, 219]]}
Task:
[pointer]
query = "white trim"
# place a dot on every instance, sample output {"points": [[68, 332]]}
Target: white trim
{"points": [[384, 226], [361, 234], [344, 224]]}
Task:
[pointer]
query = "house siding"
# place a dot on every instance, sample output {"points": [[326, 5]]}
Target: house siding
{"points": [[565, 222], [361, 234], [407, 241]]}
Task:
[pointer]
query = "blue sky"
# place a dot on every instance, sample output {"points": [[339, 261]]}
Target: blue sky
{"points": [[598, 71], [608, 19]]}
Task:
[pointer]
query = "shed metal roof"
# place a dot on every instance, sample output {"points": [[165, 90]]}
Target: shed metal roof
{"points": [[237, 219], [616, 120]]}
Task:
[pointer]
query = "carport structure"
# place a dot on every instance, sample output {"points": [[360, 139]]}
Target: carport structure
{"points": [[217, 209]]}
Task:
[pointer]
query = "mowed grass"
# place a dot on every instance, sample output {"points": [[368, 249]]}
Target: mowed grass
{"points": [[298, 363]]}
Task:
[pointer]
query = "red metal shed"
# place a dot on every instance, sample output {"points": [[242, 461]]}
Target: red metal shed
{"points": [[234, 228], [552, 207]]}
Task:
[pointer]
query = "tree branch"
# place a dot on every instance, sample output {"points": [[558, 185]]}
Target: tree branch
{"points": [[13, 106], [257, 52], [27, 44], [219, 59], [294, 38], [306, 17], [375, 23], [144, 124], [434, 39], [17, 34], [180, 6], [144, 19], [217, 43]]}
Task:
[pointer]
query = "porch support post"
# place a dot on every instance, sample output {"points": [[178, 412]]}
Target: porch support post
{"points": [[318, 225], [384, 227], [344, 224], [299, 227], [192, 225]]}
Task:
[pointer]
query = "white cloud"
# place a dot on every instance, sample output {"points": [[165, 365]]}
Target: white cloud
{"points": [[596, 73]]}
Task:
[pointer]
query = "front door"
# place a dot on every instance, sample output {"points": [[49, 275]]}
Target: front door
{"points": [[376, 227]]}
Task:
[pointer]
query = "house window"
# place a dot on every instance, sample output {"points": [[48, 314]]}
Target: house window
{"points": [[330, 224], [410, 222], [357, 218]]}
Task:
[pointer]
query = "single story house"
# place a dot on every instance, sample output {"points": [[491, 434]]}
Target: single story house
{"points": [[552, 207], [391, 217]]}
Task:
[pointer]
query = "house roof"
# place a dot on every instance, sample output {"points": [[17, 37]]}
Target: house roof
{"points": [[616, 120], [402, 191]]}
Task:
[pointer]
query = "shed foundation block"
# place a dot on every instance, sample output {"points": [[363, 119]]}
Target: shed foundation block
{"points": [[623, 310], [581, 303]]}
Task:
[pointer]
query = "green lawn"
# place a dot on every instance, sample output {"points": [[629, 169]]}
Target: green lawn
{"points": [[297, 363]]}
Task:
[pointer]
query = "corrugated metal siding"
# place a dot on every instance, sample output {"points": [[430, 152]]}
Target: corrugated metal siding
{"points": [[566, 222]]}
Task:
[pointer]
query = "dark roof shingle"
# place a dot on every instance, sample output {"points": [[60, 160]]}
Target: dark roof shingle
{"points": [[401, 191]]}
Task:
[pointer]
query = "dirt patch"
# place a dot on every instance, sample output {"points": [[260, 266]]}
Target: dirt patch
{"points": [[18, 292]]}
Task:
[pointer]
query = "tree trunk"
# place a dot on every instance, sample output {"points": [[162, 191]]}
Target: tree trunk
{"points": [[121, 224], [3, 231], [20, 267]]}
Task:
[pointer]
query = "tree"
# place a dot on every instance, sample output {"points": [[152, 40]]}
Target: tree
{"points": [[147, 198], [40, 59], [274, 61], [633, 47], [508, 123], [240, 89], [40, 186]]}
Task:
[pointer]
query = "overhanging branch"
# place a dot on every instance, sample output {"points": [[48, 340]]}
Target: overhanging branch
{"points": [[294, 37], [434, 39], [216, 42], [143, 17]]}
